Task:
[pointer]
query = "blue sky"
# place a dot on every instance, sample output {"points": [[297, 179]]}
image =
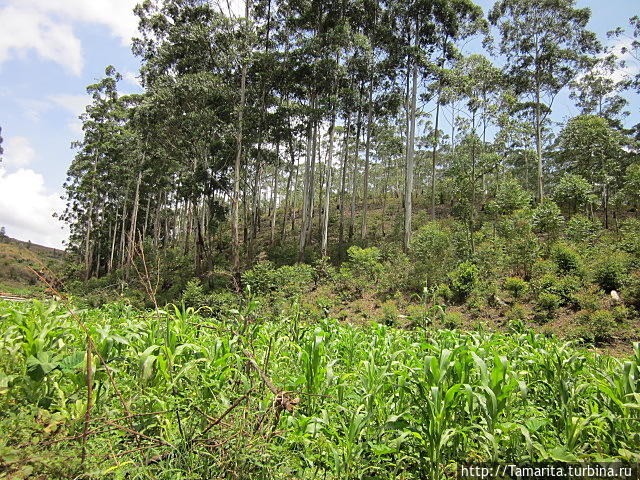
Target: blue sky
{"points": [[50, 50]]}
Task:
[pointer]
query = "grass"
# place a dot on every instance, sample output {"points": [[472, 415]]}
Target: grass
{"points": [[177, 397]]}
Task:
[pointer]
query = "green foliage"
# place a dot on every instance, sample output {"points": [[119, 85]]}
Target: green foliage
{"points": [[609, 271], [547, 304], [630, 241], [516, 286], [563, 287], [193, 294], [365, 262], [510, 197], [378, 397], [265, 277], [452, 320], [547, 219], [574, 193], [464, 278], [581, 229], [390, 313], [597, 326], [631, 292], [566, 258], [431, 253]]}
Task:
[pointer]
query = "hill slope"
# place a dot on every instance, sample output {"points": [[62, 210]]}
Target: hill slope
{"points": [[17, 258]]}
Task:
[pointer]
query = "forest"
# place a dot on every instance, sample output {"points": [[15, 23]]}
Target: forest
{"points": [[352, 239]]}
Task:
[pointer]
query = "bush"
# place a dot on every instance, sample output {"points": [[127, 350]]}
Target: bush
{"points": [[566, 258], [631, 293], [431, 253], [581, 229], [390, 313], [510, 196], [610, 270], [516, 286], [193, 294], [546, 218], [452, 320], [596, 326], [546, 305], [563, 287], [589, 300], [365, 262], [464, 279], [264, 277]]}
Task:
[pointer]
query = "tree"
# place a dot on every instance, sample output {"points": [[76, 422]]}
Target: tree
{"points": [[546, 44], [590, 147], [597, 92]]}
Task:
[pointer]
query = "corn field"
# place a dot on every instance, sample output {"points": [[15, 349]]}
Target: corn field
{"points": [[116, 393]]}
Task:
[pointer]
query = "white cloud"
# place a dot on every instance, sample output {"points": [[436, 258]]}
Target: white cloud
{"points": [[117, 15], [75, 105], [46, 27], [132, 78], [24, 29], [622, 47], [27, 208], [18, 152]]}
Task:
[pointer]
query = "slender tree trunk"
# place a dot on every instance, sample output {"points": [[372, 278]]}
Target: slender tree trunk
{"points": [[367, 154], [434, 154], [354, 173], [307, 192], [343, 184], [134, 219], [327, 193], [285, 214], [235, 217], [538, 127], [408, 184], [274, 194]]}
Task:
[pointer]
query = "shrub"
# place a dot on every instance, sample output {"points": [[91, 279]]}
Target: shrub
{"points": [[264, 277], [631, 293], [365, 262], [260, 278], [193, 294], [566, 258], [221, 302], [596, 326], [510, 196], [390, 313], [464, 279], [516, 286], [293, 280], [443, 293], [452, 320], [563, 287], [630, 241], [431, 253], [590, 299], [398, 274], [546, 218], [546, 305], [517, 313], [581, 229], [610, 270], [574, 192]]}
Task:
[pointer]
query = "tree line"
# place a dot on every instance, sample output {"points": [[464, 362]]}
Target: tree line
{"points": [[322, 124]]}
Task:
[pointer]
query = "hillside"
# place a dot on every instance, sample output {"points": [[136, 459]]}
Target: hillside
{"points": [[17, 258]]}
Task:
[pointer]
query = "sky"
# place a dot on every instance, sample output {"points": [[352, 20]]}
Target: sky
{"points": [[50, 50]]}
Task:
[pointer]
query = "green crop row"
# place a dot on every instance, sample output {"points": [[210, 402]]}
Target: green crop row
{"points": [[365, 401]]}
